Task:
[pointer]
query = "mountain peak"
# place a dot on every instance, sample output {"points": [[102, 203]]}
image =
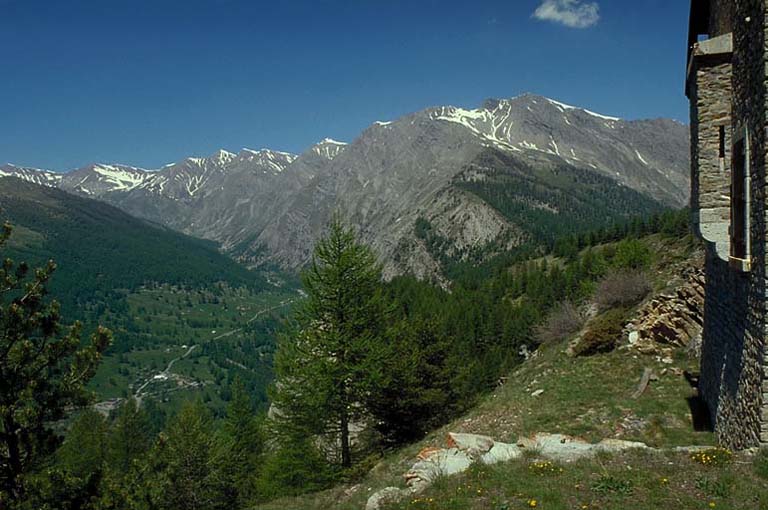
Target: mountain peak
{"points": [[329, 148], [536, 99], [222, 157], [331, 141]]}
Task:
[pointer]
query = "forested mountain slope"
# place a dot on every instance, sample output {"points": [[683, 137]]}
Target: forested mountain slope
{"points": [[157, 289]]}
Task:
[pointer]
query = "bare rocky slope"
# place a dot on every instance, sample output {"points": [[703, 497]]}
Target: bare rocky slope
{"points": [[476, 181]]}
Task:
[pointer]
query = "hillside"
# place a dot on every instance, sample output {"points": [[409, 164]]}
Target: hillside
{"points": [[161, 292], [594, 397]]}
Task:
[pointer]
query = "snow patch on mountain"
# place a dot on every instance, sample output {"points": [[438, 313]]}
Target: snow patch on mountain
{"points": [[329, 148], [33, 175], [564, 107]]}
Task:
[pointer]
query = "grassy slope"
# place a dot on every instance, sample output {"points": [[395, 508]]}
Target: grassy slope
{"points": [[587, 397]]}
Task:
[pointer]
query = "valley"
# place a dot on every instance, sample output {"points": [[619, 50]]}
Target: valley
{"points": [[468, 230]]}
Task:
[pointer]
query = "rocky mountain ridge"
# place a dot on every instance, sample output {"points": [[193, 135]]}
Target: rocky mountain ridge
{"points": [[482, 179]]}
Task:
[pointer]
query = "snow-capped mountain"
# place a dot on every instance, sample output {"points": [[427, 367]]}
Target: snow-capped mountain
{"points": [[99, 179], [476, 176], [34, 175]]}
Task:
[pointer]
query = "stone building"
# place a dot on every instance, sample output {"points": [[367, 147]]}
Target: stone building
{"points": [[726, 85]]}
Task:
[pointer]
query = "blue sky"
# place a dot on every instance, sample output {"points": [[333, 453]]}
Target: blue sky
{"points": [[148, 82]]}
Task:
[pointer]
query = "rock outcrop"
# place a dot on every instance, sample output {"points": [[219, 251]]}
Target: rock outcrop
{"points": [[463, 450], [673, 319]]}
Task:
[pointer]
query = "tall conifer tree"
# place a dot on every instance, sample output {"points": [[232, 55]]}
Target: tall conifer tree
{"points": [[328, 365]]}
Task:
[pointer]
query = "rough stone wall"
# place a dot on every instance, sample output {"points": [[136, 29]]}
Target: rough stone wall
{"points": [[720, 17], [734, 362], [710, 175]]}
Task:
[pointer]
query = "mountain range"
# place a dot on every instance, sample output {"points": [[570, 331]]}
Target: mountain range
{"points": [[444, 181]]}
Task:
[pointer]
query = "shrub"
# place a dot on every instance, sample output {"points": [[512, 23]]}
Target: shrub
{"points": [[602, 334], [632, 254], [622, 288], [565, 321]]}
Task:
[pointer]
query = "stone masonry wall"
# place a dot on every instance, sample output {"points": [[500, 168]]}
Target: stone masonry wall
{"points": [[734, 362], [720, 17], [710, 175]]}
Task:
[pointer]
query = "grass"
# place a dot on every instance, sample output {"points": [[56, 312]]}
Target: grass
{"points": [[638, 480], [589, 397], [586, 397]]}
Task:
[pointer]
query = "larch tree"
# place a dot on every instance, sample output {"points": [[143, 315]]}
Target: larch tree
{"points": [[329, 363]]}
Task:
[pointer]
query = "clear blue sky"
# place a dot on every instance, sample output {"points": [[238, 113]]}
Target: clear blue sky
{"points": [[147, 82]]}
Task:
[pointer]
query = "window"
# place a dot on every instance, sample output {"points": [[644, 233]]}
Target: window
{"points": [[722, 142], [740, 201]]}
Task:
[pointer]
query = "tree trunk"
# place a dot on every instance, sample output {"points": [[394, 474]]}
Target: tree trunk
{"points": [[346, 456], [15, 465]]}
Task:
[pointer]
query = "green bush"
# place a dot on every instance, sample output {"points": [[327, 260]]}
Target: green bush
{"points": [[632, 254], [602, 334]]}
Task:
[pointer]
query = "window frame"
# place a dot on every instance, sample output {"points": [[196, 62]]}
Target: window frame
{"points": [[740, 248]]}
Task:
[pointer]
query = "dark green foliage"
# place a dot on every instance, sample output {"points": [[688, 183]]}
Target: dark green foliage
{"points": [[85, 448], [602, 334], [330, 362], [294, 468], [609, 484], [632, 254], [242, 439], [188, 464], [415, 391], [130, 436], [43, 371]]}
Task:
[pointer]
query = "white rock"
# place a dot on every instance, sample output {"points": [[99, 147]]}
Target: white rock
{"points": [[440, 463], [619, 445], [537, 393], [563, 448], [502, 452], [473, 444], [384, 497]]}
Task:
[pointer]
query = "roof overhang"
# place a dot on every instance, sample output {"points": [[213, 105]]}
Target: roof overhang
{"points": [[698, 23]]}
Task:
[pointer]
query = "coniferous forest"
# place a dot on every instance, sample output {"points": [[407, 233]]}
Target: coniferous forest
{"points": [[361, 367]]}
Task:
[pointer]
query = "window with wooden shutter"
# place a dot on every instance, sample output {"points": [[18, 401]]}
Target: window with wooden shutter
{"points": [[739, 201]]}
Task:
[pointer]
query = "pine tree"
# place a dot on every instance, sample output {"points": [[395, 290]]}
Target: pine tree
{"points": [[329, 363], [43, 371], [243, 442], [129, 437], [189, 471], [415, 392], [84, 449]]}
